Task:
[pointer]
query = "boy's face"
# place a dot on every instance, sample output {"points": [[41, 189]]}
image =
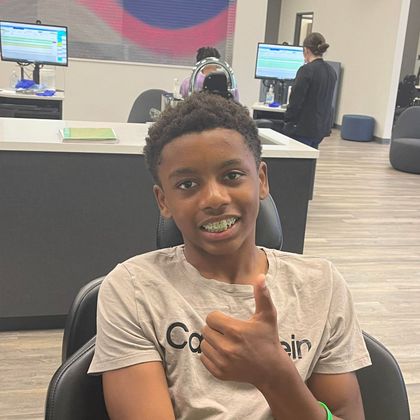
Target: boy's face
{"points": [[211, 187]]}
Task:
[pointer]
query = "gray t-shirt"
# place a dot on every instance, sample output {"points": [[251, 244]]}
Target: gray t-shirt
{"points": [[153, 308]]}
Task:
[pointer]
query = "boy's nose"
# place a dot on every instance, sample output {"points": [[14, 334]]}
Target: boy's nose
{"points": [[214, 196]]}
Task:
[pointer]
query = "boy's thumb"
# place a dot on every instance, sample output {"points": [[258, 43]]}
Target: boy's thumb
{"points": [[263, 302]]}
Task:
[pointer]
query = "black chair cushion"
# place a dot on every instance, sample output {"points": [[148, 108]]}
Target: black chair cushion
{"points": [[81, 319], [72, 393], [382, 385]]}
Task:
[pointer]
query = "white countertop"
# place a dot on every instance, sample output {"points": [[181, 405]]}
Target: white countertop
{"points": [[261, 106], [58, 96], [36, 135]]}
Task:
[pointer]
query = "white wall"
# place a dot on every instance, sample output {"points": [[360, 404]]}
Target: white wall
{"points": [[410, 53], [104, 91], [367, 37], [249, 30]]}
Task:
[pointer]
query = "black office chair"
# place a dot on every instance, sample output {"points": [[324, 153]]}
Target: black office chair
{"points": [[72, 394], [264, 123], [217, 82], [81, 319], [382, 385], [140, 111], [406, 95]]}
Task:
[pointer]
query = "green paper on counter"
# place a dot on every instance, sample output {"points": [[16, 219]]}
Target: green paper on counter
{"points": [[88, 134]]}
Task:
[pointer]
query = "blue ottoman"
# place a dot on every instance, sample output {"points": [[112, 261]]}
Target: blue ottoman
{"points": [[357, 127]]}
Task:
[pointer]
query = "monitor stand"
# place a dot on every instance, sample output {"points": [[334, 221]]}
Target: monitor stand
{"points": [[35, 73]]}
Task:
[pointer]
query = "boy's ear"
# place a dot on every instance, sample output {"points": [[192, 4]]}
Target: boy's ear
{"points": [[160, 199], [263, 177]]}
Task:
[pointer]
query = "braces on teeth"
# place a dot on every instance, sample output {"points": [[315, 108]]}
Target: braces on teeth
{"points": [[220, 226]]}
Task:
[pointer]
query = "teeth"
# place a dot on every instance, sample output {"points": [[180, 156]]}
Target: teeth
{"points": [[220, 226]]}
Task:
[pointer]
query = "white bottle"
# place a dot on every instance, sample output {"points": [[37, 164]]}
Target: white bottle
{"points": [[176, 89], [14, 78], [269, 98]]}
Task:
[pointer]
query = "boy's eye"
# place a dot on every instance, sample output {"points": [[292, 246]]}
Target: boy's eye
{"points": [[232, 176], [186, 185]]}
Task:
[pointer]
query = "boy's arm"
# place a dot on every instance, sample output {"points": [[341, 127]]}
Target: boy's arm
{"points": [[340, 392], [250, 351], [137, 392]]}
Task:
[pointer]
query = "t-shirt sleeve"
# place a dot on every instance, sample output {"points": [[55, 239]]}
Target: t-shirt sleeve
{"points": [[345, 349], [120, 340]]}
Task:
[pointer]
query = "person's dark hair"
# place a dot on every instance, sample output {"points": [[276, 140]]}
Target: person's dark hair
{"points": [[205, 52], [316, 43], [199, 112]]}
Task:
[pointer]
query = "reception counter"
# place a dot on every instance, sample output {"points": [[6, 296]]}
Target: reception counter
{"points": [[71, 211]]}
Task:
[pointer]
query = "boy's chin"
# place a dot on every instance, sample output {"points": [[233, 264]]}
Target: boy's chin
{"points": [[218, 249]]}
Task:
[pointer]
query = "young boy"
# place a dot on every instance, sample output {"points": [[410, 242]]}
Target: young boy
{"points": [[219, 328]]}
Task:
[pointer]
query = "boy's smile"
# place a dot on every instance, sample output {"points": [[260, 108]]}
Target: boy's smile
{"points": [[212, 188]]}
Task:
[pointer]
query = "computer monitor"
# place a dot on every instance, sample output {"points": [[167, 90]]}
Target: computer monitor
{"points": [[33, 43], [278, 62]]}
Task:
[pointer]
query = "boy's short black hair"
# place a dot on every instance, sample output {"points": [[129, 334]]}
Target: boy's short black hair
{"points": [[199, 112]]}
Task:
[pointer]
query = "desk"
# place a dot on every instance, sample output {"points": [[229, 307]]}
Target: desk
{"points": [[275, 114], [70, 212], [19, 105], [261, 110]]}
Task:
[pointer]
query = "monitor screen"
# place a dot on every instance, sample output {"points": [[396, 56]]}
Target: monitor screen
{"points": [[33, 43], [280, 62]]}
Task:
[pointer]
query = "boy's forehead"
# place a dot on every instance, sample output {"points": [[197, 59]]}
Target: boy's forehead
{"points": [[197, 146]]}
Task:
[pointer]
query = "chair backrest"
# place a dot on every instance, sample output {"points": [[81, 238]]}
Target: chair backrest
{"points": [[140, 111], [382, 385], [406, 91], [408, 124], [216, 82], [72, 394], [268, 230], [81, 319]]}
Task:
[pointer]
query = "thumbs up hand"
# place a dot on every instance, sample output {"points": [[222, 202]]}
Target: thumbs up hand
{"points": [[245, 351]]}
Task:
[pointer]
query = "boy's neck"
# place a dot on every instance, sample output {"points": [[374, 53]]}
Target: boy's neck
{"points": [[241, 268]]}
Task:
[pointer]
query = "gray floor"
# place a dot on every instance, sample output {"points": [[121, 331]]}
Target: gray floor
{"points": [[365, 217]]}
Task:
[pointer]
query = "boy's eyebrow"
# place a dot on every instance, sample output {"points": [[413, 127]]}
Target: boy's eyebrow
{"points": [[191, 171], [181, 172], [231, 162]]}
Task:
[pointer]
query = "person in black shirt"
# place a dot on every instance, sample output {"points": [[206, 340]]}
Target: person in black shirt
{"points": [[309, 114]]}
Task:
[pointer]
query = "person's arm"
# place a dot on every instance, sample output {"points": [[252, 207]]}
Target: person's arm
{"points": [[250, 351], [137, 392], [297, 95], [183, 90], [126, 354], [340, 392]]}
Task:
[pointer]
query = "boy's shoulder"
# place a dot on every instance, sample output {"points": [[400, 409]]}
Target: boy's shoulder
{"points": [[298, 259], [149, 262], [160, 260], [302, 270]]}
